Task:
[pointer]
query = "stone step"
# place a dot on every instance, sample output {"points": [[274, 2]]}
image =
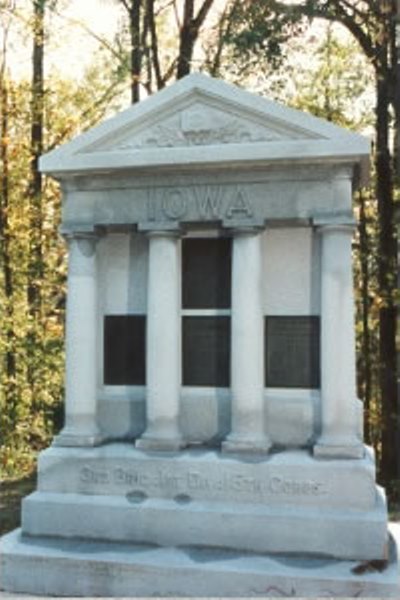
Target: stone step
{"points": [[68, 568], [248, 527]]}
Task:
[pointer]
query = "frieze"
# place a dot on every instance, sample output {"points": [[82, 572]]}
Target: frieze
{"points": [[231, 205]]}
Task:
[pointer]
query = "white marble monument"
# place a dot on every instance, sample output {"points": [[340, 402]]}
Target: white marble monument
{"points": [[212, 428]]}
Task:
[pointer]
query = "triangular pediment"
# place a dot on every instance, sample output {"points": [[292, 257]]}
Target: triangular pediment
{"points": [[199, 120]]}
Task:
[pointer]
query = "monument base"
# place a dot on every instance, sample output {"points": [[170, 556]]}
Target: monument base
{"points": [[182, 521], [46, 566], [284, 502]]}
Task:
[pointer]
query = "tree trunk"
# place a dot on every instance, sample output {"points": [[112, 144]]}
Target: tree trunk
{"points": [[10, 358], [189, 33], [366, 342], [155, 60], [136, 50], [186, 41], [36, 182], [387, 259], [396, 94]]}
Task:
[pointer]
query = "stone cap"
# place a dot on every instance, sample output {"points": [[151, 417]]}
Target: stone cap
{"points": [[202, 122]]}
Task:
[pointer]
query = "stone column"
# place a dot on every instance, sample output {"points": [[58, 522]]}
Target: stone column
{"points": [[163, 344], [247, 347], [338, 373], [81, 344]]}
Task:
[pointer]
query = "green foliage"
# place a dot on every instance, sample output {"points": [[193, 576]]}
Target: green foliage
{"points": [[249, 37], [27, 407], [31, 398], [257, 31], [336, 83]]}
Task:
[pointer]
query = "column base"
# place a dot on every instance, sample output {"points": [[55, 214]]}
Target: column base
{"points": [[71, 439], [244, 445], [159, 444], [330, 449]]}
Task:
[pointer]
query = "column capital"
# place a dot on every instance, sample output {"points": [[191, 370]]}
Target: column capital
{"points": [[335, 224], [82, 252], [163, 229], [250, 226], [70, 234], [247, 230], [164, 233], [86, 241]]}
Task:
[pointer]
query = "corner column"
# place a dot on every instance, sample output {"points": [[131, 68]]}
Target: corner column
{"points": [[247, 346], [81, 344], [338, 374], [163, 344]]}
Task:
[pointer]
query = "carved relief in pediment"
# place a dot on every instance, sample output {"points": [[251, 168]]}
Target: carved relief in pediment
{"points": [[200, 125]]}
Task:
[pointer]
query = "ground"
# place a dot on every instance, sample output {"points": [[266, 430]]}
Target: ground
{"points": [[11, 493]]}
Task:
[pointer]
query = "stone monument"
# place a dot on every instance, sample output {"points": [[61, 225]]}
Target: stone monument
{"points": [[213, 437]]}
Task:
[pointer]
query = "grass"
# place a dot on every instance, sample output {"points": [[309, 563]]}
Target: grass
{"points": [[12, 491]]}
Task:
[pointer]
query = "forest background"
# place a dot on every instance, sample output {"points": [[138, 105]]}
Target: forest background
{"points": [[338, 59]]}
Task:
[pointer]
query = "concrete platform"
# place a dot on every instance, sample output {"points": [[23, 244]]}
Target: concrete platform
{"points": [[46, 566]]}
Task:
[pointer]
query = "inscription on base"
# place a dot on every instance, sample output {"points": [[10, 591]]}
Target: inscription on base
{"points": [[193, 481]]}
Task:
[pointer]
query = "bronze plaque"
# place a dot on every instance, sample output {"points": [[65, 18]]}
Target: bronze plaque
{"points": [[292, 350], [206, 351], [125, 350], [206, 273]]}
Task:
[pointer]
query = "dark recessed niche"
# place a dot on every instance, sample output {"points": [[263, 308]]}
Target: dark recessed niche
{"points": [[292, 352], [125, 350], [206, 273], [206, 351]]}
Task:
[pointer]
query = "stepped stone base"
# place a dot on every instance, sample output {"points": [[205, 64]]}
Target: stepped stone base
{"points": [[46, 566], [281, 502], [115, 520], [339, 533]]}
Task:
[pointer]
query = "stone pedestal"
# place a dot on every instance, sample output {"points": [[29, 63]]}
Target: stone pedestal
{"points": [[186, 525], [286, 503]]}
